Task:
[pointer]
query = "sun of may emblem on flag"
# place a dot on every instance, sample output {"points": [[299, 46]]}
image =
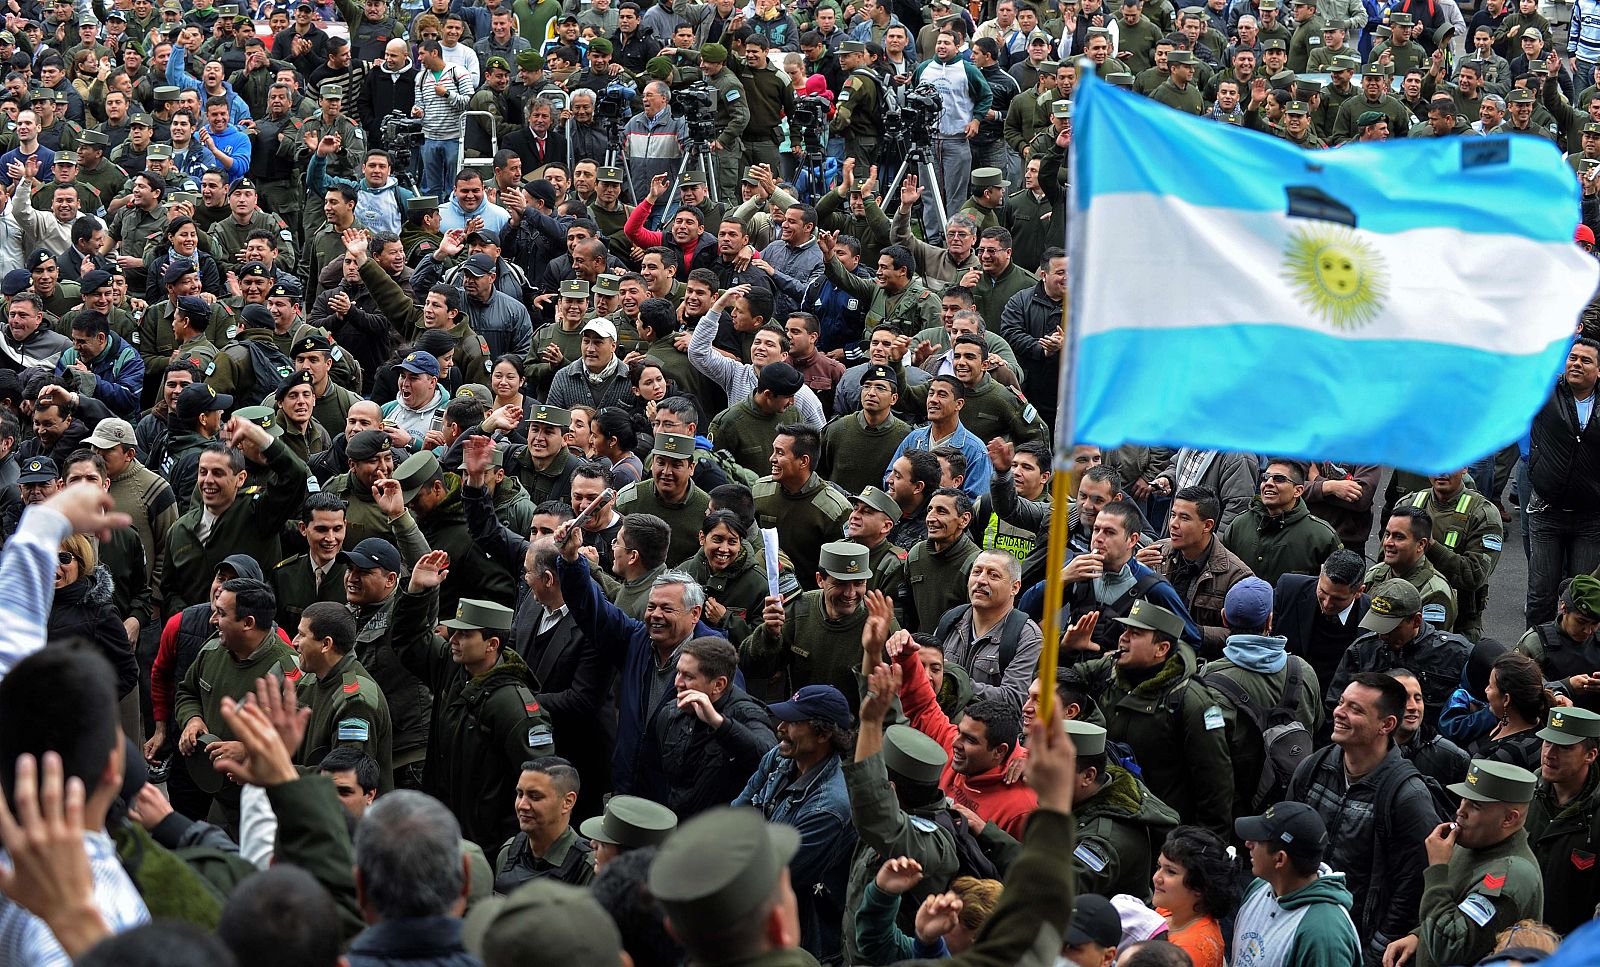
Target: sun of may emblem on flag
{"points": [[1336, 274]]}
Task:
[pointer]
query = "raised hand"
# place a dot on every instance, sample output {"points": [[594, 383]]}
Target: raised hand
{"points": [[431, 571]]}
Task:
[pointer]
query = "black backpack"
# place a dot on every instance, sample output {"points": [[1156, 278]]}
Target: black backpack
{"points": [[1010, 631], [270, 365], [971, 860], [1284, 739]]}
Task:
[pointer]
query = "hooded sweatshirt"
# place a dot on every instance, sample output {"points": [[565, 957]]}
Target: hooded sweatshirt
{"points": [[416, 422], [1257, 653], [1310, 927]]}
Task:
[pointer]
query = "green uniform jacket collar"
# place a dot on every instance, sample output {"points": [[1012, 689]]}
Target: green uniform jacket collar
{"points": [[1179, 665], [509, 670]]}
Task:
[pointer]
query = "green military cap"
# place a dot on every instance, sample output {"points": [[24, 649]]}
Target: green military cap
{"points": [[7, 37], [1283, 80], [1443, 32], [1520, 96], [1345, 62], [600, 45], [474, 615], [1153, 617], [1120, 79], [631, 823], [159, 151], [39, 95], [909, 753], [65, 158], [849, 47], [551, 416], [1489, 781], [1180, 57], [1099, 32], [497, 458], [367, 444], [1540, 69], [88, 20], [659, 68], [333, 92], [1274, 43], [845, 561], [675, 446], [750, 179], [165, 93], [1049, 66], [692, 178], [1087, 738], [721, 866], [877, 500], [172, 5], [201, 770], [606, 284], [1533, 32], [1396, 599], [1374, 69], [982, 178], [415, 473], [93, 138], [1233, 119], [1399, 19], [228, 10], [1296, 107], [475, 391], [133, 45], [1591, 127], [422, 203], [1583, 593], [60, 97], [565, 923], [1569, 726], [303, 377], [1335, 23], [262, 416], [496, 63], [1304, 89], [1267, 5], [139, 120], [530, 60], [609, 175], [574, 289], [710, 54]]}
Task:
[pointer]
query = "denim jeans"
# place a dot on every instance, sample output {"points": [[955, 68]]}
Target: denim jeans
{"points": [[952, 161], [1563, 543], [438, 167]]}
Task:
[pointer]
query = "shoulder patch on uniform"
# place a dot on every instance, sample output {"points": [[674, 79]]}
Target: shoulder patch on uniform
{"points": [[1478, 908], [352, 688], [923, 824], [353, 730], [1213, 718], [532, 707], [293, 674], [1433, 614], [539, 737], [733, 94], [1492, 542], [1092, 856], [1492, 883]]}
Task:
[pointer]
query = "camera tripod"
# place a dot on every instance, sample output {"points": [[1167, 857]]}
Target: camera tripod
{"points": [[616, 155], [697, 158], [919, 155]]}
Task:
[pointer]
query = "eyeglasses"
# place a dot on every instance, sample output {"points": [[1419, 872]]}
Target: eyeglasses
{"points": [[1277, 478], [65, 557]]}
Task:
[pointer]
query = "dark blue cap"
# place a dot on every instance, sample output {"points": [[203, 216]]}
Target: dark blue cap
{"points": [[815, 702]]}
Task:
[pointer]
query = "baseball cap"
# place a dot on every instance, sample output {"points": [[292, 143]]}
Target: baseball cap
{"points": [[604, 328], [199, 398], [1292, 827], [1248, 604], [479, 264], [1094, 921], [815, 702], [421, 363], [1393, 602], [112, 433], [374, 552]]}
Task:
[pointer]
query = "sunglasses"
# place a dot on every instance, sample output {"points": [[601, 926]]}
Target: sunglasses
{"points": [[65, 557], [1277, 478]]}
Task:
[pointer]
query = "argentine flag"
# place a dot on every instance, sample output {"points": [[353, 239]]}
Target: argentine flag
{"points": [[1405, 304]]}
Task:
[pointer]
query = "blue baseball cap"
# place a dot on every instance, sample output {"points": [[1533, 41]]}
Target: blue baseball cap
{"points": [[421, 363], [1248, 604], [815, 702]]}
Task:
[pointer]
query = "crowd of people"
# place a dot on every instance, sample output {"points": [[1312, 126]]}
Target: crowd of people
{"points": [[455, 511]]}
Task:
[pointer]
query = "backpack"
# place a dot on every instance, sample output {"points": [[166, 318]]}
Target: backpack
{"points": [[737, 472], [971, 860], [1285, 740], [270, 365], [1010, 631]]}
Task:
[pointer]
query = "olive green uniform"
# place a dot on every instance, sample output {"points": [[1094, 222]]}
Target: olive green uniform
{"points": [[914, 309], [813, 649], [216, 674], [1408, 56], [992, 410], [1186, 98], [294, 583], [551, 483], [230, 238], [1344, 123], [348, 710], [1473, 897], [685, 518], [1306, 37], [856, 118], [888, 564], [733, 113], [1120, 831], [856, 454], [1438, 599], [538, 372], [935, 582], [747, 433], [155, 342], [1467, 539], [1327, 110], [805, 520], [344, 163]]}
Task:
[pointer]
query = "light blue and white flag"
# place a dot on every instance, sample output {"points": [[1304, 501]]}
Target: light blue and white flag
{"points": [[1405, 304]]}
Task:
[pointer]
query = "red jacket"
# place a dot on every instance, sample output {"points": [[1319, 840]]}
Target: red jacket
{"points": [[633, 229], [988, 795]]}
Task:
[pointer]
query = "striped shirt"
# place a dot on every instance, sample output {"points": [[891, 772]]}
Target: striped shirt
{"points": [[25, 941], [738, 380], [1583, 40], [442, 118]]}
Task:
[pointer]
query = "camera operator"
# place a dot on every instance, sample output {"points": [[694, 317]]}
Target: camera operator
{"points": [[733, 114], [646, 139], [391, 86], [771, 97], [966, 98], [856, 119]]}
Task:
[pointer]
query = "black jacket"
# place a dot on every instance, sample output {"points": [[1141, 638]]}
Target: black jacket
{"points": [[413, 942], [689, 767], [575, 687], [381, 92], [83, 610], [1294, 609], [1564, 463]]}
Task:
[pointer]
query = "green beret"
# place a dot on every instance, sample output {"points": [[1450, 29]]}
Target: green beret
{"points": [[1584, 593], [713, 54], [1369, 118], [659, 68], [599, 45], [530, 60]]}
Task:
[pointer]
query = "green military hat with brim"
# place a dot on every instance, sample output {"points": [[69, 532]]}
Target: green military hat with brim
{"points": [[845, 561], [982, 178], [673, 446], [88, 20], [909, 753], [1153, 617], [201, 770], [1395, 600], [709, 54], [606, 284], [93, 138], [474, 615], [1520, 96], [545, 915], [1274, 43], [693, 178], [1120, 79], [1267, 5], [1305, 87], [65, 158], [877, 500], [1335, 23], [40, 95], [263, 416], [1374, 69], [1590, 127], [1583, 592], [548, 415], [1344, 62], [609, 175], [1540, 69], [415, 472], [497, 458], [1489, 781], [1399, 19], [497, 63], [422, 203], [1283, 80], [475, 391], [165, 93], [530, 60], [1570, 725], [573, 289], [228, 10], [946, 20], [1099, 32], [631, 823], [721, 866], [1049, 66], [1087, 738], [172, 5], [140, 120], [60, 97], [1443, 32], [1296, 107], [1181, 57], [750, 179], [852, 47]]}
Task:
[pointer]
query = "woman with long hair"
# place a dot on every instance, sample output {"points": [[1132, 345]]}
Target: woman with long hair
{"points": [[734, 578], [510, 388], [1194, 890], [1517, 697]]}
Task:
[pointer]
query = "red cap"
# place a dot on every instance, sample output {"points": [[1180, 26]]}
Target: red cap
{"points": [[1585, 234]]}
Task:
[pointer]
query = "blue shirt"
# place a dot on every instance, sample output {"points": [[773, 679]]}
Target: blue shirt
{"points": [[979, 469], [232, 142]]}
